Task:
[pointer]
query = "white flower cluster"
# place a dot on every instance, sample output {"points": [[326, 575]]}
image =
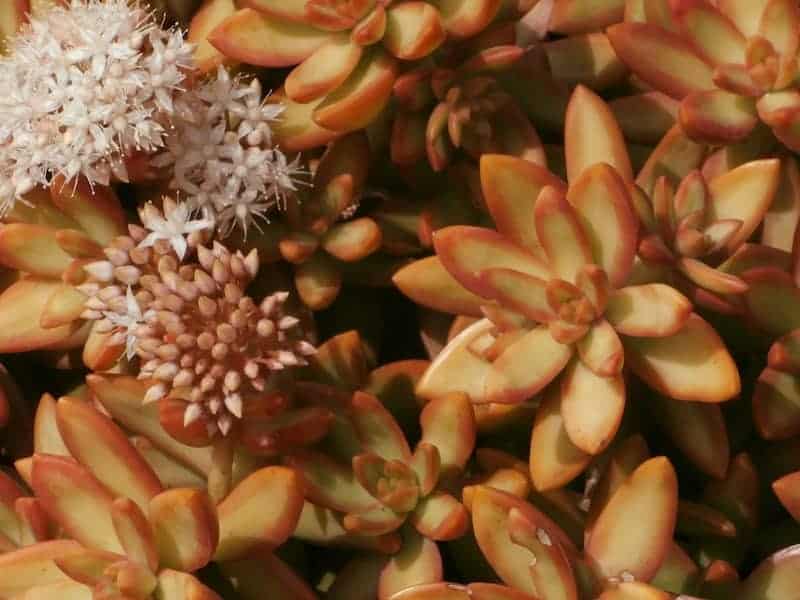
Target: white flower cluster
{"points": [[82, 86], [222, 156]]}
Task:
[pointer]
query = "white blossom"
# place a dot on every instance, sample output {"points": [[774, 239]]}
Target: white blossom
{"points": [[84, 85], [127, 322], [222, 155], [174, 225]]}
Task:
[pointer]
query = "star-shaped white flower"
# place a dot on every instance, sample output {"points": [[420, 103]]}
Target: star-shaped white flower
{"points": [[174, 225], [126, 324]]}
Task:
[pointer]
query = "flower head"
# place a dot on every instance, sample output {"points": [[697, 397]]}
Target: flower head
{"points": [[85, 85], [222, 156], [197, 334]]}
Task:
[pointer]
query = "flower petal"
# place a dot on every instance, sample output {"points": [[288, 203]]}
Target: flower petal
{"points": [[620, 540], [692, 364]]}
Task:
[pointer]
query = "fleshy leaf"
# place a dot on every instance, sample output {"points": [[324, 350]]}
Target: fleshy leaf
{"points": [[21, 307], [522, 293], [592, 136], [103, 448], [457, 368], [466, 251], [777, 578], [77, 501], [176, 585], [745, 194], [448, 423], [440, 517], [573, 16], [465, 18], [561, 234], [208, 16], [554, 459], [261, 511], [123, 398], [620, 542], [324, 70], [34, 566], [663, 59], [135, 533], [604, 208], [511, 186], [713, 33], [650, 310], [776, 400], [717, 116], [356, 102], [696, 428], [591, 407], [692, 364], [427, 282], [330, 484], [257, 39], [418, 562], [526, 367], [413, 30], [185, 528], [541, 564]]}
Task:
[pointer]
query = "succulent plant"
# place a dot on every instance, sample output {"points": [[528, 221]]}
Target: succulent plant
{"points": [[134, 536], [443, 110], [732, 64], [557, 291], [45, 241]]}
